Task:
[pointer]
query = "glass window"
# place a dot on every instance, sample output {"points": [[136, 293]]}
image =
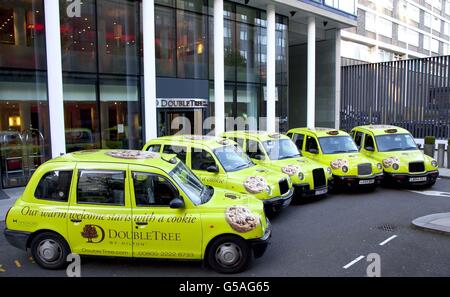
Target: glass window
{"points": [[153, 190], [402, 33], [281, 149], [413, 12], [247, 106], [201, 160], [337, 145], [437, 24], [191, 45], [368, 142], [233, 158], [298, 140], [435, 46], [358, 139], [246, 53], [120, 113], [395, 142], [191, 185], [165, 41], [200, 6], [426, 42], [371, 23], [54, 186], [413, 38], [22, 34], [24, 125], [118, 31], [101, 187], [180, 151], [311, 144], [385, 27], [80, 112], [154, 148], [78, 37], [254, 149]]}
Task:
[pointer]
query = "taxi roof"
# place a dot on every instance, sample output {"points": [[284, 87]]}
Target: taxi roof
{"points": [[211, 142], [255, 135], [118, 157], [381, 129], [320, 131]]}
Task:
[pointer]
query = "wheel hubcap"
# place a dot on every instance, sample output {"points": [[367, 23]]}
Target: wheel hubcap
{"points": [[49, 251], [228, 254]]}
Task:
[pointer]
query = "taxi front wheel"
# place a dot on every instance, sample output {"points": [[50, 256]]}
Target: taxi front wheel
{"points": [[50, 250], [229, 254]]}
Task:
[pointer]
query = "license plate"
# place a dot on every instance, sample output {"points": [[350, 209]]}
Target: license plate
{"points": [[417, 179], [321, 192], [366, 181]]}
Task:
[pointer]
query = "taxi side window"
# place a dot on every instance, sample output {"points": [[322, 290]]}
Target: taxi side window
{"points": [[180, 151], [101, 187], [152, 190], [298, 140], [154, 148], [368, 142], [201, 160], [253, 149], [54, 186], [289, 135], [311, 143], [358, 139], [239, 141]]}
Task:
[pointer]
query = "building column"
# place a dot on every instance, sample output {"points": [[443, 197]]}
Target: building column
{"points": [[219, 68], [271, 69], [150, 117], [337, 110], [54, 78], [311, 80]]}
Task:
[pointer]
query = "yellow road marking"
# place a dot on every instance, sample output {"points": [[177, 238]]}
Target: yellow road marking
{"points": [[17, 263]]}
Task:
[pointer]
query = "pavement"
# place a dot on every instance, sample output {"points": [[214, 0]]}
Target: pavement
{"points": [[335, 236], [444, 172]]}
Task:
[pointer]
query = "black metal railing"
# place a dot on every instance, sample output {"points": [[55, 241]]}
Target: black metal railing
{"points": [[413, 94]]}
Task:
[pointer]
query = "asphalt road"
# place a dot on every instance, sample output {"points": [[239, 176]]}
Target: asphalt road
{"points": [[313, 239]]}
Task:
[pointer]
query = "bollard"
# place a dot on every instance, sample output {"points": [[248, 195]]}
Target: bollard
{"points": [[441, 154]]}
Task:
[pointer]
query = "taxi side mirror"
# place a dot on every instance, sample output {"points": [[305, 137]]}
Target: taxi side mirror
{"points": [[313, 151], [419, 146], [370, 149], [212, 169], [177, 203], [259, 157]]}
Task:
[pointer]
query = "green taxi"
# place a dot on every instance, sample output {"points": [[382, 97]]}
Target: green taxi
{"points": [[277, 152], [338, 150], [123, 203], [222, 163], [395, 148]]}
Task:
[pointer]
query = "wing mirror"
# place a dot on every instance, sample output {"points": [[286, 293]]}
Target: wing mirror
{"points": [[259, 157], [313, 151], [177, 203], [370, 149], [212, 169]]}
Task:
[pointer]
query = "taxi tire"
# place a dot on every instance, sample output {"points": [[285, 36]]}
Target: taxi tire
{"points": [[54, 237], [243, 263]]}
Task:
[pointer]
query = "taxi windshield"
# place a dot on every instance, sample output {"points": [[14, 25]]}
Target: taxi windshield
{"points": [[190, 184], [337, 145], [395, 142], [232, 158], [280, 149]]}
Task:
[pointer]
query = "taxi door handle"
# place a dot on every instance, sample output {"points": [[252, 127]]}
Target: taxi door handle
{"points": [[76, 220], [141, 223]]}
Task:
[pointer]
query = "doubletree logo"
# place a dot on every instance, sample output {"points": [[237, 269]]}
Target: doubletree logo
{"points": [[90, 232]]}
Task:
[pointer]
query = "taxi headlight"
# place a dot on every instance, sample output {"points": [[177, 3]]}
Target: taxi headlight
{"points": [[301, 176], [434, 163], [379, 166], [344, 169], [395, 166]]}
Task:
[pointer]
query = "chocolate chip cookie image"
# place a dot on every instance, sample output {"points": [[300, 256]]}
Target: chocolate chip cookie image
{"points": [[291, 169], [255, 184], [241, 219]]}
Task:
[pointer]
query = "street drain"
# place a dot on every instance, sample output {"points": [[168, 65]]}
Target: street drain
{"points": [[387, 228]]}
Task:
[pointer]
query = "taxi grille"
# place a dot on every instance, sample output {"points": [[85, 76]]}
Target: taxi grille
{"points": [[284, 186], [416, 167], [319, 178], [365, 169]]}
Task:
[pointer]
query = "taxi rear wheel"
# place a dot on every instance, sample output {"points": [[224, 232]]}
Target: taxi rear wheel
{"points": [[229, 254], [50, 250]]}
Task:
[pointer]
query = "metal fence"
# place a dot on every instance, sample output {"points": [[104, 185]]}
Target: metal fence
{"points": [[414, 94]]}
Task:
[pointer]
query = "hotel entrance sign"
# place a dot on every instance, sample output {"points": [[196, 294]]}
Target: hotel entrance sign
{"points": [[181, 103]]}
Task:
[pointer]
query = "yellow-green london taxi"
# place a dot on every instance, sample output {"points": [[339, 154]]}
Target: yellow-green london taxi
{"points": [[277, 152], [136, 204], [222, 163], [338, 150], [396, 149]]}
